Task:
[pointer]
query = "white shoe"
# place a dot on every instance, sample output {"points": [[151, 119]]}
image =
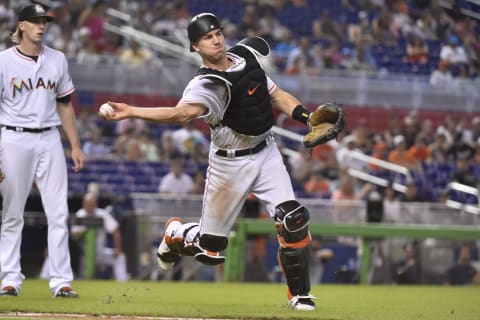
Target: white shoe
{"points": [[166, 258], [303, 303]]}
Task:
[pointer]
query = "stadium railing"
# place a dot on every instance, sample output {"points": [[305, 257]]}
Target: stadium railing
{"points": [[234, 265], [419, 220]]}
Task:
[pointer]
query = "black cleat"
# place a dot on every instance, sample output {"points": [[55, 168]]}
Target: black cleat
{"points": [[66, 292], [9, 291]]}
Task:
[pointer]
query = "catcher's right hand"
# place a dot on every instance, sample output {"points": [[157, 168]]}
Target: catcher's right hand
{"points": [[325, 124]]}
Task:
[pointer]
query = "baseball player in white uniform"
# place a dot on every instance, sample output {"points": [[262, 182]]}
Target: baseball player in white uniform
{"points": [[234, 96], [35, 99]]}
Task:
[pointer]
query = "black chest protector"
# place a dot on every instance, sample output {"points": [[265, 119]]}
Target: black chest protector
{"points": [[250, 109]]}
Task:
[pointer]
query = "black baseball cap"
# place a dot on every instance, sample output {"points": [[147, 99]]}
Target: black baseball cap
{"points": [[33, 11]]}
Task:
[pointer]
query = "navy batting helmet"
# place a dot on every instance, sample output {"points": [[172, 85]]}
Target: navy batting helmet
{"points": [[200, 24]]}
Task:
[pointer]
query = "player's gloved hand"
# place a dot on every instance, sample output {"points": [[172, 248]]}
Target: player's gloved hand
{"points": [[325, 124]]}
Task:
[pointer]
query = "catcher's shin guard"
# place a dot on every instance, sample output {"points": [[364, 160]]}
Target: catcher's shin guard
{"points": [[294, 253]]}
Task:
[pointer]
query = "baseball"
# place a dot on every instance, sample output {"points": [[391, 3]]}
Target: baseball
{"points": [[105, 109]]}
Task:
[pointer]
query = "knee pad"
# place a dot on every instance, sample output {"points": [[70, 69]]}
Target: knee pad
{"points": [[212, 242], [292, 221]]}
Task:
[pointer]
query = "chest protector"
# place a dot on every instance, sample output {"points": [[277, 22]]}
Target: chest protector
{"points": [[249, 111]]}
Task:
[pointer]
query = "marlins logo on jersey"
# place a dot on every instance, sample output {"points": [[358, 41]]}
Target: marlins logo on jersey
{"points": [[19, 84]]}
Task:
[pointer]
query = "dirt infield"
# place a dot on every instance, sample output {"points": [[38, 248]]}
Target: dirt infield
{"points": [[58, 316]]}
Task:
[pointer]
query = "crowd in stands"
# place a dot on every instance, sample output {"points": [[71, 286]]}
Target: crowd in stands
{"points": [[396, 36], [434, 156], [412, 36]]}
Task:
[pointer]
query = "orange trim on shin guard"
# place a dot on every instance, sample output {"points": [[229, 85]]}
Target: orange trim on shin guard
{"points": [[299, 244]]}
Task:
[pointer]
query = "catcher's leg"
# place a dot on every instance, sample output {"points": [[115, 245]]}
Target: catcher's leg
{"points": [[294, 252], [183, 239]]}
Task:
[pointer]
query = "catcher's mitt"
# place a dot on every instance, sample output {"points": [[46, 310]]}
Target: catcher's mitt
{"points": [[325, 123]]}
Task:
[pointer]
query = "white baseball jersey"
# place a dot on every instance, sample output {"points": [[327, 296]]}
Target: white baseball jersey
{"points": [[230, 180], [109, 225], [173, 184], [29, 91]]}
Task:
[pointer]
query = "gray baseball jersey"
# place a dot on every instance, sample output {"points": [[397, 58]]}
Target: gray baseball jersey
{"points": [[230, 180]]}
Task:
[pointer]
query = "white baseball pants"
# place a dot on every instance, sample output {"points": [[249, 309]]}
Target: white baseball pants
{"points": [[27, 158]]}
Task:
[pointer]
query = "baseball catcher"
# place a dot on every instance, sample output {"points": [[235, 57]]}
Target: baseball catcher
{"points": [[325, 123]]}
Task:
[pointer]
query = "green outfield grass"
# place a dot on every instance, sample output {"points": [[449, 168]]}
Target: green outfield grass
{"points": [[250, 301]]}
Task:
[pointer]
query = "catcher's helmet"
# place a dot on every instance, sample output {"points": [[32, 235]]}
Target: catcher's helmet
{"points": [[201, 24]]}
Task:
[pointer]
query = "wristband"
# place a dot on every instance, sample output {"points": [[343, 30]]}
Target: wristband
{"points": [[301, 114]]}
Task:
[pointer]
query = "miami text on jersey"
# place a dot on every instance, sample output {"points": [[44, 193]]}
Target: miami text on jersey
{"points": [[29, 85]]}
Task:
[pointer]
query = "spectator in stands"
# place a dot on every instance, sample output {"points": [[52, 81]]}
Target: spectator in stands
{"points": [[413, 194], [427, 131], [417, 50], [189, 141], [301, 59], [148, 147], [462, 272], [326, 29], [448, 128], [135, 55], [384, 31], [320, 257], [95, 148], [166, 145], [54, 36], [380, 151], [301, 164], [439, 148], [443, 23], [332, 56], [363, 58], [453, 51], [464, 173], [136, 125], [270, 28], [121, 143], [344, 159], [391, 205], [231, 35], [85, 124], [317, 185], [84, 46], [410, 129], [400, 156], [284, 46], [361, 31], [475, 132], [176, 181], [106, 256], [93, 18], [419, 151], [347, 60], [198, 182], [442, 77], [348, 191], [133, 151], [249, 22], [407, 270]]}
